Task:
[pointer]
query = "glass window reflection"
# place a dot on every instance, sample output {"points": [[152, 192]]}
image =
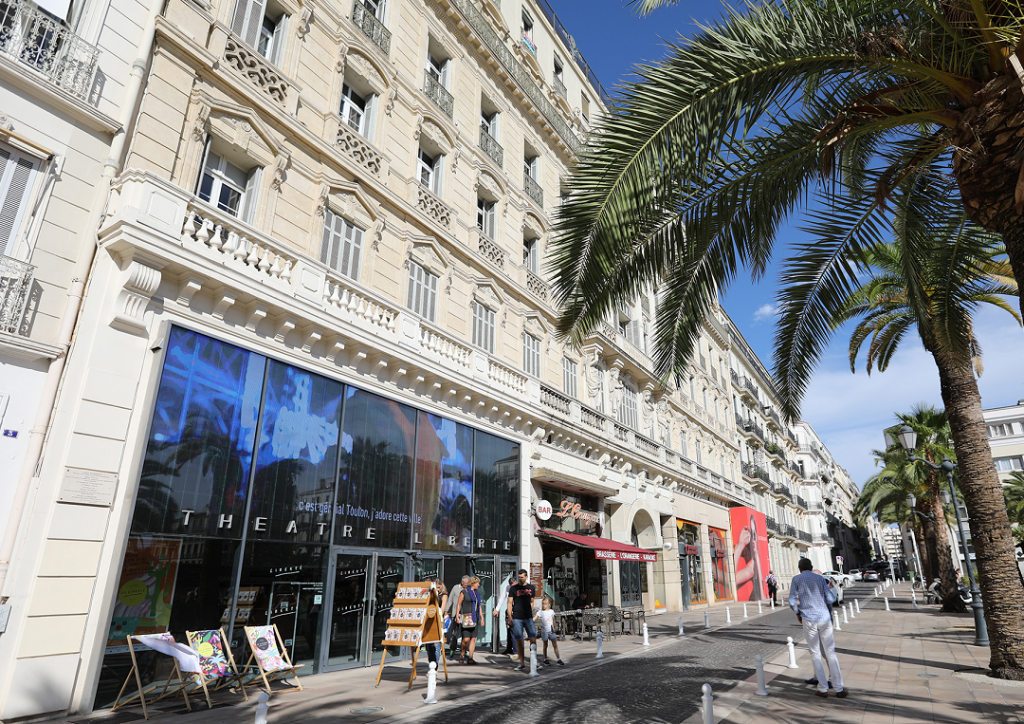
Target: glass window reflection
{"points": [[496, 491], [444, 485]]}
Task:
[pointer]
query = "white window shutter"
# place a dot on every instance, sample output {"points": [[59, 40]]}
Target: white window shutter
{"points": [[445, 71], [16, 175], [252, 185], [368, 117], [280, 33], [438, 173], [328, 255], [253, 21], [239, 17], [357, 251]]}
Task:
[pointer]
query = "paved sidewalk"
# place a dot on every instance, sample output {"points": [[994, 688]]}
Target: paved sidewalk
{"points": [[899, 667]]}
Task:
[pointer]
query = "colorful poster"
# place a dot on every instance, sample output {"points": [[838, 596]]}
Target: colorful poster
{"points": [[145, 591], [264, 645], [750, 553], [211, 653]]}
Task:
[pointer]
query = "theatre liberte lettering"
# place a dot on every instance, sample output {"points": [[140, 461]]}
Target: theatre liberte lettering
{"points": [[259, 524]]}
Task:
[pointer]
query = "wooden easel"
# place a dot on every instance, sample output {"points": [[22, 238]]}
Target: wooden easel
{"points": [[181, 685], [275, 674], [415, 619]]}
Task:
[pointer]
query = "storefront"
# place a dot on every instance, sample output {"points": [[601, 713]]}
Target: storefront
{"points": [[568, 569], [602, 551], [719, 564], [691, 563], [272, 495]]}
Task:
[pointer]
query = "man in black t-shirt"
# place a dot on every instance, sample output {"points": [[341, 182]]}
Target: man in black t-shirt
{"points": [[520, 614]]}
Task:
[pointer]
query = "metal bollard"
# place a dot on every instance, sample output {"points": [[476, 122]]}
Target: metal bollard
{"points": [[846, 617], [707, 620], [681, 631], [533, 660], [646, 640], [431, 683], [856, 604], [745, 611], [759, 663], [708, 702], [759, 607], [600, 646], [728, 615], [887, 604], [835, 620], [792, 653], [261, 707]]}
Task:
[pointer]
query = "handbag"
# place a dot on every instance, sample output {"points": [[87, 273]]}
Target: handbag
{"points": [[470, 623]]}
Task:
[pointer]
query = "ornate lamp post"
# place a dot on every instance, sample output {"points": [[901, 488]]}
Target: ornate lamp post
{"points": [[908, 439]]}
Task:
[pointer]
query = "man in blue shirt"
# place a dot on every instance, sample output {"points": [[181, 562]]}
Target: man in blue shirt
{"points": [[810, 596]]}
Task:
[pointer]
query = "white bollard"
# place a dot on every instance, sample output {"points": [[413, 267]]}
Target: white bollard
{"points": [[647, 641], [759, 607], [835, 620], [261, 707], [745, 611], [533, 659], [600, 646], [707, 620], [792, 653], [681, 632], [773, 604], [846, 617], [759, 663], [708, 702], [913, 598], [887, 604], [856, 604], [852, 614], [728, 615], [431, 683]]}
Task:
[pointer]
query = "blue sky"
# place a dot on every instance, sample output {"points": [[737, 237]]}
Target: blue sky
{"points": [[847, 410]]}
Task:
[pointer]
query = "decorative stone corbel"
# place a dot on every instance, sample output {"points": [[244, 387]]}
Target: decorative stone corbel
{"points": [[419, 127], [342, 56], [136, 293], [280, 166], [378, 233], [321, 200], [390, 105], [199, 126], [304, 20]]}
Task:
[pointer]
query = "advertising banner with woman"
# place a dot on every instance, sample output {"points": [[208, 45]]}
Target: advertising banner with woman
{"points": [[750, 553]]}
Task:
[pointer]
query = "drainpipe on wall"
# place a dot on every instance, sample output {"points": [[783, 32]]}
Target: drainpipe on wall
{"points": [[37, 437]]}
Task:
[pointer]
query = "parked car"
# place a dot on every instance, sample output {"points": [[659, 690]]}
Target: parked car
{"points": [[836, 584], [844, 579], [870, 576], [857, 574]]}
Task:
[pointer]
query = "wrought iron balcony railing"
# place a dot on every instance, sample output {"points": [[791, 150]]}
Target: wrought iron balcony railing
{"points": [[491, 147], [804, 536], [45, 44], [533, 189], [15, 287], [439, 95], [372, 28]]}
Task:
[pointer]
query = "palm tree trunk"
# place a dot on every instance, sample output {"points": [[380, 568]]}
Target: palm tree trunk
{"points": [[922, 552], [945, 556], [1001, 588]]}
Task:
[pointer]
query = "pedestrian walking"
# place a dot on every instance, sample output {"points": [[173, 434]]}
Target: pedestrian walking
{"points": [[520, 614], [436, 651], [502, 603], [470, 613], [546, 617], [810, 597], [452, 611], [773, 586]]}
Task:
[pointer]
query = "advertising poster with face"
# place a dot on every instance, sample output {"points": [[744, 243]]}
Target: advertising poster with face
{"points": [[750, 553]]}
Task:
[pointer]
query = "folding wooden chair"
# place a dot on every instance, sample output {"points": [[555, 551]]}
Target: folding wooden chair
{"points": [[270, 659], [163, 643], [216, 661]]}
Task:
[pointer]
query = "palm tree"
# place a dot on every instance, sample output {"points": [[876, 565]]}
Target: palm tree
{"points": [[884, 496]]}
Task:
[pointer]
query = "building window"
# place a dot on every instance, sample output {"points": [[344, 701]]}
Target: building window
{"points": [[355, 109], [1003, 430], [693, 390], [483, 327], [528, 33], [489, 122], [429, 170], [342, 245], [261, 26], [585, 108], [627, 408], [569, 377], [558, 70], [531, 355], [228, 187], [682, 443], [1006, 465], [17, 174], [438, 65], [697, 453], [485, 217], [422, 292], [531, 255]]}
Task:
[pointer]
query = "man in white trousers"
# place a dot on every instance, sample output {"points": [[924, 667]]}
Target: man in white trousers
{"points": [[810, 597]]}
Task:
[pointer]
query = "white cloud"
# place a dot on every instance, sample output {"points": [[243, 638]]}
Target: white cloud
{"points": [[765, 311], [848, 411]]}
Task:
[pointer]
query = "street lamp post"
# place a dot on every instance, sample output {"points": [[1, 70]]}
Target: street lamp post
{"points": [[908, 439]]}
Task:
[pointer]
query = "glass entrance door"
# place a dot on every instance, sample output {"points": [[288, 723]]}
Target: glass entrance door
{"points": [[483, 568], [363, 590], [629, 580]]}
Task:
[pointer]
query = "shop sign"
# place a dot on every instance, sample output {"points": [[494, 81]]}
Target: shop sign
{"points": [[718, 553], [626, 556], [691, 550], [573, 510], [544, 509]]}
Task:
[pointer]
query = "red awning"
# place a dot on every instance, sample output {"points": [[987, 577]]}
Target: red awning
{"points": [[605, 548]]}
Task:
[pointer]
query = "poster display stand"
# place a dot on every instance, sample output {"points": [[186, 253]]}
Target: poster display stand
{"points": [[163, 643], [415, 619], [270, 658]]}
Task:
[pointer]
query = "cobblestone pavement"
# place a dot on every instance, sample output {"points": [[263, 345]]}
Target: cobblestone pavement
{"points": [[659, 685]]}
